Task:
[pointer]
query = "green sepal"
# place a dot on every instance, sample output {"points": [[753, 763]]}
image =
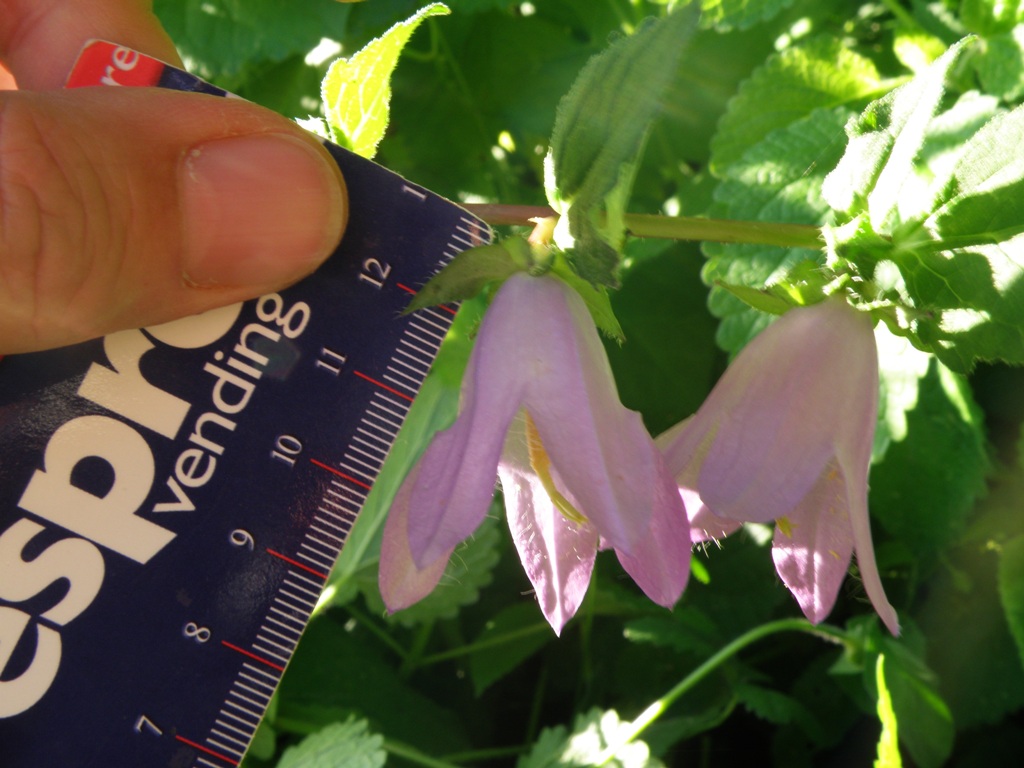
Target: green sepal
{"points": [[595, 297], [472, 270]]}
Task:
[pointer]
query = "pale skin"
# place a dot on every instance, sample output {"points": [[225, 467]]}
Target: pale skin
{"points": [[126, 207]]}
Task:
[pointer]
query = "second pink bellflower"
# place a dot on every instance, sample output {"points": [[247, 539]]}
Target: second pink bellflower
{"points": [[786, 435]]}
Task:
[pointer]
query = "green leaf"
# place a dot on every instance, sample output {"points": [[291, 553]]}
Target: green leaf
{"points": [[1011, 588], [219, 39], [925, 723], [776, 180], [773, 706], [932, 423], [724, 15], [513, 635], [600, 128], [999, 62], [884, 142], [356, 91], [888, 743], [689, 631], [821, 73], [989, 17], [592, 734], [341, 745]]}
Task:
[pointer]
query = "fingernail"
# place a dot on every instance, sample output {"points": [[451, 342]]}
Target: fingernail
{"points": [[259, 210]]}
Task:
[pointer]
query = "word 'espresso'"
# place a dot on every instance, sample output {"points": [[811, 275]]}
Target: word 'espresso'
{"points": [[111, 521]]}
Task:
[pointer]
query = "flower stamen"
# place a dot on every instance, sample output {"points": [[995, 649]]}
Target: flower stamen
{"points": [[540, 463]]}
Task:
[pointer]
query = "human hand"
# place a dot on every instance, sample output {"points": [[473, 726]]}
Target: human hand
{"points": [[126, 207]]}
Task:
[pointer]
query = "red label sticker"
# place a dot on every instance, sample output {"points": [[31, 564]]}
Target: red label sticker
{"points": [[103, 63]]}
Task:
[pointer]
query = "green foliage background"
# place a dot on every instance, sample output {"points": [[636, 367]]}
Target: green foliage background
{"points": [[751, 124]]}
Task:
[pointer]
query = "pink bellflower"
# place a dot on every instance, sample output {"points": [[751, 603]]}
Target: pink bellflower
{"points": [[786, 435], [578, 469]]}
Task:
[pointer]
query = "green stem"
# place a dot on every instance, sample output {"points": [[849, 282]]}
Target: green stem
{"points": [[414, 755], [465, 650], [656, 709], [901, 14], [671, 227]]}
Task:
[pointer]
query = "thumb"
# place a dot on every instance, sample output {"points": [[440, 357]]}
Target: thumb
{"points": [[125, 207]]}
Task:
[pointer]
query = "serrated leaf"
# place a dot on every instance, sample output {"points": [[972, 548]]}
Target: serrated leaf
{"points": [[356, 91], [822, 73], [470, 271], [689, 631], [593, 733], [773, 706], [600, 128], [724, 15], [513, 635], [884, 142], [340, 745], [776, 180]]}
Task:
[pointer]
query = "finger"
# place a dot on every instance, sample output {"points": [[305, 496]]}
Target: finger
{"points": [[40, 39], [124, 207]]}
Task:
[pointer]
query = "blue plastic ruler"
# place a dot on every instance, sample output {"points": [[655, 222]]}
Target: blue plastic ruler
{"points": [[172, 499]]}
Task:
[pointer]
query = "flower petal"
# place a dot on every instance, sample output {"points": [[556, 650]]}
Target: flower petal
{"points": [[457, 472], [557, 554], [684, 450], [601, 450], [401, 582], [813, 545], [660, 560], [777, 410]]}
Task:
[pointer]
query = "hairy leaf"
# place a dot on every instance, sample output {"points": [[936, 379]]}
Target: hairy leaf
{"points": [[822, 73], [724, 15], [592, 734], [357, 90], [341, 745], [776, 180], [600, 128]]}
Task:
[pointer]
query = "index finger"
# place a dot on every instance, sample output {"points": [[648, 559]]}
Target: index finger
{"points": [[40, 39]]}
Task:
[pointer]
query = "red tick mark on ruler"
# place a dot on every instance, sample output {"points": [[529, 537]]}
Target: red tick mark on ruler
{"points": [[252, 655], [341, 474], [297, 564], [383, 386], [207, 750]]}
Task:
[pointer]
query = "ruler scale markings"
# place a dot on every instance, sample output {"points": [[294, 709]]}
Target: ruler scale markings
{"points": [[236, 718], [370, 436], [382, 385], [252, 655], [314, 592], [353, 450], [260, 705], [425, 342], [222, 737], [399, 362], [418, 360], [250, 680], [220, 743], [426, 319], [396, 375], [435, 338], [301, 577], [282, 629], [332, 503], [327, 534], [320, 521], [261, 644], [367, 444], [204, 762], [365, 471], [228, 726], [323, 561], [287, 616], [290, 561], [254, 720], [378, 408], [207, 750]]}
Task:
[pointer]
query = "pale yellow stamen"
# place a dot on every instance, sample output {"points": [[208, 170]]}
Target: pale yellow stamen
{"points": [[540, 462], [785, 526]]}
